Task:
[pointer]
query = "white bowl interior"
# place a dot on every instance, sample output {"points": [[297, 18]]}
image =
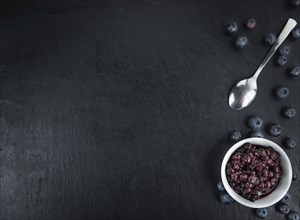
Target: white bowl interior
{"points": [[282, 186]]}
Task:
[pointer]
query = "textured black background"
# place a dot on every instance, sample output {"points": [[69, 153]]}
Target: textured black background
{"points": [[118, 110]]}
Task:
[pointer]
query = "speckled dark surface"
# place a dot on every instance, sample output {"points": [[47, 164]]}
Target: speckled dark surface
{"points": [[119, 110]]}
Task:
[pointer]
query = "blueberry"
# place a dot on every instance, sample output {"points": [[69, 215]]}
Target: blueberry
{"points": [[220, 186], [255, 122], [257, 134], [270, 39], [293, 215], [275, 130], [296, 33], [289, 112], [281, 60], [295, 2], [286, 198], [290, 143], [284, 50], [295, 71], [262, 212], [251, 23], [226, 199], [282, 92], [241, 42], [295, 175], [235, 136], [232, 27], [283, 208]]}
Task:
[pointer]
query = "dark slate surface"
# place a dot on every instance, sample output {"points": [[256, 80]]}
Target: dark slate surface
{"points": [[119, 110]]}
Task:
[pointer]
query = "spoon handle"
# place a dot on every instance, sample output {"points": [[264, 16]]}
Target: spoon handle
{"points": [[291, 23]]}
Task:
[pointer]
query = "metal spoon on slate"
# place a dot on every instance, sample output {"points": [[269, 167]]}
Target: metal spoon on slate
{"points": [[244, 92]]}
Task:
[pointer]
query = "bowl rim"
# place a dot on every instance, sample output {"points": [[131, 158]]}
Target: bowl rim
{"points": [[241, 199]]}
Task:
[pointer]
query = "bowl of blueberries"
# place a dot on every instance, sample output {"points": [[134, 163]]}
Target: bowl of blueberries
{"points": [[256, 172]]}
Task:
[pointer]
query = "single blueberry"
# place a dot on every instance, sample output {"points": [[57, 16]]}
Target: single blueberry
{"points": [[241, 42], [290, 143], [270, 39], [232, 27], [281, 60], [293, 215], [295, 2], [294, 175], [296, 33], [251, 23], [226, 199], [284, 49], [275, 130], [257, 134], [289, 112], [295, 71], [285, 199], [220, 186], [255, 122], [282, 92], [262, 212], [283, 208], [235, 136]]}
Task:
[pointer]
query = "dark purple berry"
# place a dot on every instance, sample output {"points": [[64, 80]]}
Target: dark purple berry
{"points": [[275, 130], [235, 136], [290, 143], [262, 213], [257, 134], [295, 71], [241, 42], [289, 112], [255, 122], [232, 27], [270, 39], [282, 92], [226, 199], [251, 23], [286, 199], [296, 33], [283, 208], [294, 175], [295, 2], [284, 50], [293, 215], [281, 60]]}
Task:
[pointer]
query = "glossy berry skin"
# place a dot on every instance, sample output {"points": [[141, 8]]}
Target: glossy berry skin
{"points": [[220, 187], [275, 130], [293, 215], [290, 143], [283, 208], [232, 27], [270, 39], [282, 92], [296, 33], [235, 136], [257, 134], [281, 60], [226, 199], [251, 23], [241, 42], [295, 175], [295, 71], [289, 112], [284, 50], [261, 213], [295, 2], [255, 122]]}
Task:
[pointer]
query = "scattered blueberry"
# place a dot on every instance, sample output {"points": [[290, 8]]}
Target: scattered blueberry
{"points": [[275, 130], [290, 143], [262, 212], [282, 92], [281, 60], [293, 215], [295, 175], [226, 199], [257, 134], [232, 27], [235, 136], [286, 198], [241, 42], [289, 112], [284, 49], [295, 2], [296, 33], [255, 122], [220, 186], [251, 23], [295, 71], [283, 208], [270, 39]]}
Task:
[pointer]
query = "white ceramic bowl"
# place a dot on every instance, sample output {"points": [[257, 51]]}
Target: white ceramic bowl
{"points": [[279, 191]]}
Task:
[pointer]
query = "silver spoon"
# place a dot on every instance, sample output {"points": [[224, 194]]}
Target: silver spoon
{"points": [[244, 92]]}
